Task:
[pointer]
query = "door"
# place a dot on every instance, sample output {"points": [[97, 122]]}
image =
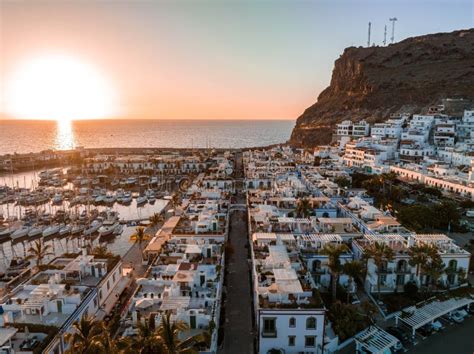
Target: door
{"points": [[192, 320], [60, 306]]}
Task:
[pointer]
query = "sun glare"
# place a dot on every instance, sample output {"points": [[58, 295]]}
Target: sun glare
{"points": [[58, 87]]}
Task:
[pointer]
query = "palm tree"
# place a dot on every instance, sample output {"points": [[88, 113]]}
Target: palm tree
{"points": [[156, 218], [170, 331], [39, 251], [435, 270], [334, 251], [86, 336], [303, 208], [176, 199], [380, 253], [421, 256], [353, 269], [102, 252], [147, 341], [139, 237]]}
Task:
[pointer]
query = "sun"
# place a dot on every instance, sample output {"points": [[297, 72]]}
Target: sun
{"points": [[59, 87]]}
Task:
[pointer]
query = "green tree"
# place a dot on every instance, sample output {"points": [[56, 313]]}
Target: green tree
{"points": [[380, 254], [334, 251], [303, 208], [102, 251], [170, 333], [39, 251], [156, 218], [139, 237], [354, 270], [147, 341], [85, 337]]}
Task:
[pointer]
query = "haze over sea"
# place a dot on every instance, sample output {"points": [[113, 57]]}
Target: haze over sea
{"points": [[23, 136]]}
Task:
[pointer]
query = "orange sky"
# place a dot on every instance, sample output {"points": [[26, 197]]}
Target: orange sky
{"points": [[208, 59]]}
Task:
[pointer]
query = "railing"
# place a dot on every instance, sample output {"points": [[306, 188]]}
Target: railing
{"points": [[269, 334]]}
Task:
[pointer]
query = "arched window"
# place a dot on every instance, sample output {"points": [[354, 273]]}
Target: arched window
{"points": [[453, 264], [292, 322], [311, 323]]}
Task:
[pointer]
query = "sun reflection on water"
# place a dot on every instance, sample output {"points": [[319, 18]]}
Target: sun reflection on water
{"points": [[64, 135]]}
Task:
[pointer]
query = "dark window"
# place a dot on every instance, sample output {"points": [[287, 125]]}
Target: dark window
{"points": [[269, 327], [310, 341], [292, 322], [291, 341], [311, 323]]}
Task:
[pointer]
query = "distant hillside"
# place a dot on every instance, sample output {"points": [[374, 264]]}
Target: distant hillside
{"points": [[373, 82]]}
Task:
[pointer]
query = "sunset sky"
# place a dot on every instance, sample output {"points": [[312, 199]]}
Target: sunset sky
{"points": [[207, 59]]}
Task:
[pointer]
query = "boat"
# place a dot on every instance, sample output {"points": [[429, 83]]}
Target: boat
{"points": [[51, 230], [94, 226], [77, 229], [35, 232], [7, 231], [118, 230], [108, 228], [127, 198], [141, 200], [109, 199], [65, 230], [57, 199], [99, 199], [20, 233]]}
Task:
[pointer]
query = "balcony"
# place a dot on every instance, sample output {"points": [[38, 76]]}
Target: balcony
{"points": [[269, 333]]}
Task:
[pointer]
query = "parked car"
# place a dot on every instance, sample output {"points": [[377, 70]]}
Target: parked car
{"points": [[457, 316], [398, 333], [437, 326]]}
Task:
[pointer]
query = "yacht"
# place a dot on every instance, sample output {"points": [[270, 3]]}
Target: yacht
{"points": [[109, 199], [108, 228], [65, 230], [20, 233], [94, 226], [141, 200], [77, 229], [127, 198], [118, 230], [6, 232], [51, 230], [35, 232], [57, 199]]}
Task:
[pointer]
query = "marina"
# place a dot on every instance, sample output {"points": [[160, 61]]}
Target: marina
{"points": [[69, 213]]}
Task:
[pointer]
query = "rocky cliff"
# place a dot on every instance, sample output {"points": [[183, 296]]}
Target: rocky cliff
{"points": [[409, 76]]}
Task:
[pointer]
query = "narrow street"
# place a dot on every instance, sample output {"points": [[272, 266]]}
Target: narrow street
{"points": [[238, 336], [238, 312]]}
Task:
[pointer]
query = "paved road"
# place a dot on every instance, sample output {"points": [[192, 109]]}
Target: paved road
{"points": [[455, 339], [238, 336]]}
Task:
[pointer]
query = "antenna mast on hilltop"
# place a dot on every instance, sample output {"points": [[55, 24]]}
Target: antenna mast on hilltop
{"points": [[368, 39], [385, 36], [393, 20]]}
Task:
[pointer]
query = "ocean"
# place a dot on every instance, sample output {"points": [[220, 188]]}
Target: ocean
{"points": [[23, 136]]}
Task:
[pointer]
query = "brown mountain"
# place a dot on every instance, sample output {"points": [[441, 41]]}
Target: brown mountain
{"points": [[370, 83]]}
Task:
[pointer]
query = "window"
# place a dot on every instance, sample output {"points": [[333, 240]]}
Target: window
{"points": [[269, 327], [311, 323], [291, 341], [292, 322], [310, 341]]}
